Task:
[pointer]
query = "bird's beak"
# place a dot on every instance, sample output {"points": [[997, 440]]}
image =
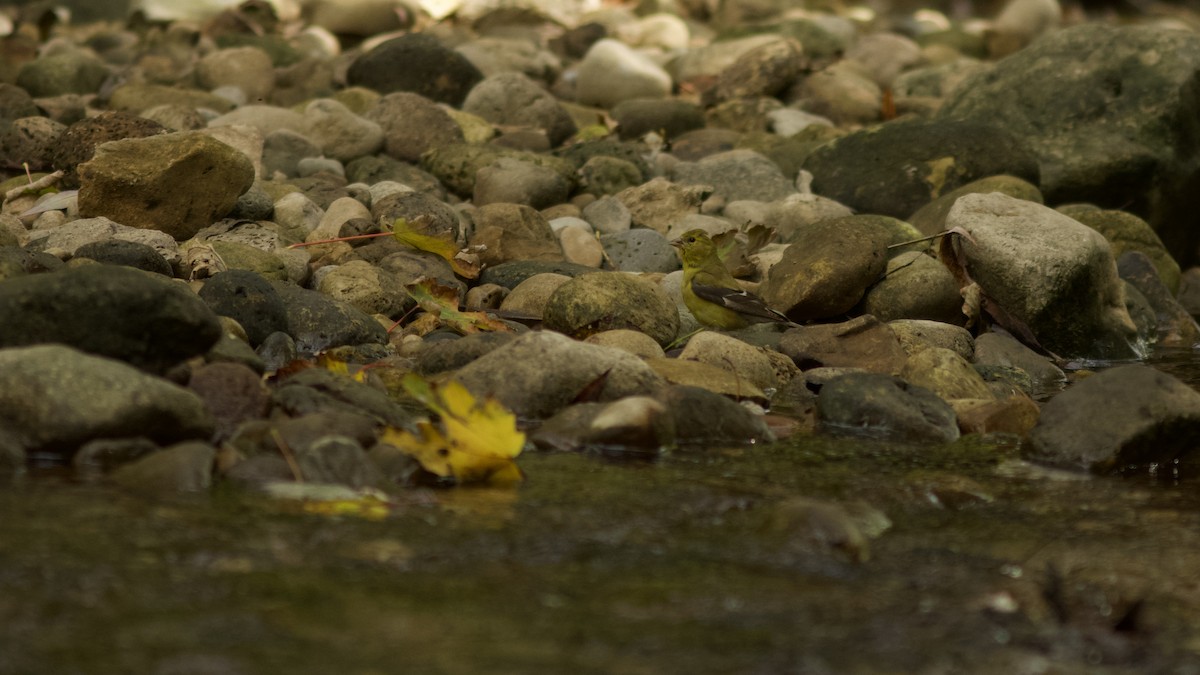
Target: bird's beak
{"points": [[677, 243]]}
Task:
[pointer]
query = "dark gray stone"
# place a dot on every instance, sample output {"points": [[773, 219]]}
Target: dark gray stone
{"points": [[185, 467], [318, 322], [248, 299], [897, 167], [512, 99], [640, 250], [704, 418], [340, 460], [276, 351], [735, 175], [884, 406], [444, 355], [127, 253], [316, 390], [418, 63], [1176, 327], [510, 274], [67, 72], [232, 392], [637, 117], [412, 124], [16, 103], [143, 319], [1129, 416], [253, 204]]}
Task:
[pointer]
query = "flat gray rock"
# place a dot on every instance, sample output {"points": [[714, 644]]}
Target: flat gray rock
{"points": [[54, 399]]}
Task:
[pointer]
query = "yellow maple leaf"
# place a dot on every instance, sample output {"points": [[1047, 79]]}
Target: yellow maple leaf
{"points": [[475, 442], [340, 367], [464, 264]]}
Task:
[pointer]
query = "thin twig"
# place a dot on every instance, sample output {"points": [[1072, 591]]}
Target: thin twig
{"points": [[335, 240], [917, 241], [34, 185], [288, 455]]}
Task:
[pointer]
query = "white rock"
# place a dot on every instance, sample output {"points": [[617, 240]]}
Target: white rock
{"points": [[612, 72], [659, 31], [557, 224], [1028, 18], [789, 121], [297, 214], [341, 210], [355, 17], [580, 245]]}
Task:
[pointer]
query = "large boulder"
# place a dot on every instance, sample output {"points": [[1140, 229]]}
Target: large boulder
{"points": [[176, 183], [1043, 276], [1111, 113]]}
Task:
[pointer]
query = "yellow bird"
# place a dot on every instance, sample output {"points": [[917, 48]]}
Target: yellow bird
{"points": [[710, 291]]}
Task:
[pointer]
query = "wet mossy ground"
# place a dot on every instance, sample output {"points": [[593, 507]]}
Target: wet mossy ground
{"points": [[595, 566]]}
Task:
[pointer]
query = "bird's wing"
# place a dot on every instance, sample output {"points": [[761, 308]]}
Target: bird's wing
{"points": [[749, 306]]}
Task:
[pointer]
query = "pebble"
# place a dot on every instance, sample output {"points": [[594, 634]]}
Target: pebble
{"points": [[515, 373], [513, 99], [513, 181], [248, 69], [412, 125], [608, 215], [591, 303], [639, 250], [338, 132], [736, 175]]}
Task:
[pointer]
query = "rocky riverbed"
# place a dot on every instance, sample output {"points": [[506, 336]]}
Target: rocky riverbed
{"points": [[238, 244]]}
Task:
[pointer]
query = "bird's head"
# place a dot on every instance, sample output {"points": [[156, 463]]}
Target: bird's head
{"points": [[695, 247]]}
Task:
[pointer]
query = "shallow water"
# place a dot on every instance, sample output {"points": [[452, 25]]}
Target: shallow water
{"points": [[696, 563]]}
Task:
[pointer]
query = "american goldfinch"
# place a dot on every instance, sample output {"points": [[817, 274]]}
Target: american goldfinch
{"points": [[710, 291]]}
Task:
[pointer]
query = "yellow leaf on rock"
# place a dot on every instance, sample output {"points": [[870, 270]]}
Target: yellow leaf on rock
{"points": [[465, 265], [340, 367], [443, 301], [475, 442]]}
